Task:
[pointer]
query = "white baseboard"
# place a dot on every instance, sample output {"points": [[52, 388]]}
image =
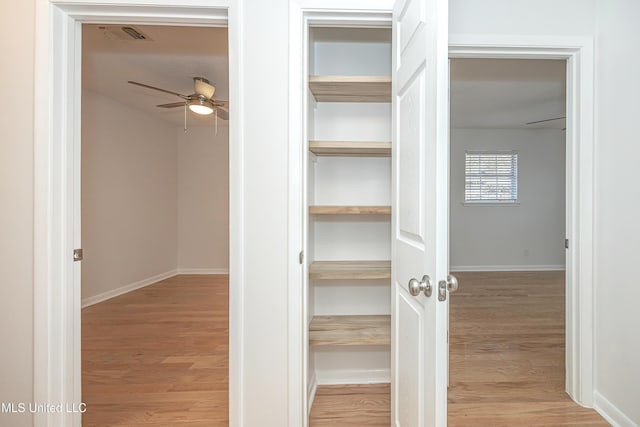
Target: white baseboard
{"points": [[455, 268], [311, 392], [203, 271], [610, 412], [86, 302], [353, 376]]}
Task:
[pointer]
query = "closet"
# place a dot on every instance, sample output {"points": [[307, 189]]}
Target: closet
{"points": [[348, 197]]}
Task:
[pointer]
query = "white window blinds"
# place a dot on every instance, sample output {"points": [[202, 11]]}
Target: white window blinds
{"points": [[491, 176]]}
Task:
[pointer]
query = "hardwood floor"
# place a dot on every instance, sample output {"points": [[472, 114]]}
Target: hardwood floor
{"points": [[507, 352], [158, 356], [352, 405], [506, 355]]}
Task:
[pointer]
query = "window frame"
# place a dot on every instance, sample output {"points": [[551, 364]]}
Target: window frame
{"points": [[514, 175]]}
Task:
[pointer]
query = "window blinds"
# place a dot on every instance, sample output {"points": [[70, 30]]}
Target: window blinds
{"points": [[491, 176]]}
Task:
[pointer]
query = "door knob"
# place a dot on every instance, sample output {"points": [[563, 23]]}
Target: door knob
{"points": [[416, 286], [451, 285]]}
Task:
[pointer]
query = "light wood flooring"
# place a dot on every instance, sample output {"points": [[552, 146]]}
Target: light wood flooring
{"points": [[506, 360], [158, 356]]}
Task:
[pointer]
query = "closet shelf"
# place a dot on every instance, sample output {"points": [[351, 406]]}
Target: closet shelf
{"points": [[355, 270], [350, 148], [351, 88], [350, 210], [350, 330]]}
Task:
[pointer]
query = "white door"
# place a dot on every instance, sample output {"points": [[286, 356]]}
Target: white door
{"points": [[420, 210]]}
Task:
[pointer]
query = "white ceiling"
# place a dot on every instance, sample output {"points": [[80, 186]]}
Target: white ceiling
{"points": [[170, 60], [507, 93], [485, 93]]}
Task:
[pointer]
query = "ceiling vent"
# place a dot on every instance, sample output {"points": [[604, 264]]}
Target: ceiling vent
{"points": [[126, 33]]}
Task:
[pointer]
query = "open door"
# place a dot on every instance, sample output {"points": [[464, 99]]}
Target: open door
{"points": [[420, 214]]}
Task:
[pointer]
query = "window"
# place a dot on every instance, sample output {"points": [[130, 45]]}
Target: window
{"points": [[491, 177]]}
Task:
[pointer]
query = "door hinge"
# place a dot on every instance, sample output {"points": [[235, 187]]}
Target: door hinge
{"points": [[77, 255], [301, 257], [566, 243]]}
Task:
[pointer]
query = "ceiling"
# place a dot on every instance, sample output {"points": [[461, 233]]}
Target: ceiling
{"points": [[169, 59], [507, 93], [485, 93]]}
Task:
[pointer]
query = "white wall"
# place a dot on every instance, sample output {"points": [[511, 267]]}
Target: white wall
{"points": [[617, 232], [533, 17], [16, 212], [129, 196], [203, 199], [529, 235], [265, 83]]}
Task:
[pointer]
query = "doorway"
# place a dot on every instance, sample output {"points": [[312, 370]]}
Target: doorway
{"points": [[155, 223], [507, 228], [57, 376]]}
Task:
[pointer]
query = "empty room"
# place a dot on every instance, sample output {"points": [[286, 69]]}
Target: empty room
{"points": [[507, 244], [154, 225]]}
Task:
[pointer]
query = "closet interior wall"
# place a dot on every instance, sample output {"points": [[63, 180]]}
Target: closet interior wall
{"points": [[348, 306]]}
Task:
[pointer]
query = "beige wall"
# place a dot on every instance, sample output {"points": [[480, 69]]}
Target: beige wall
{"points": [[129, 196], [16, 210], [203, 199], [155, 200]]}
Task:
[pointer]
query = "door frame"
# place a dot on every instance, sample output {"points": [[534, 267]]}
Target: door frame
{"points": [[302, 14], [57, 364], [579, 54]]}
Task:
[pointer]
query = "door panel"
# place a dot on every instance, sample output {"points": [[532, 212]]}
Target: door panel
{"points": [[410, 149], [420, 208], [407, 380]]}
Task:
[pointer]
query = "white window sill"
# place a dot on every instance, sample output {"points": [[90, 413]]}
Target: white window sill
{"points": [[491, 204]]}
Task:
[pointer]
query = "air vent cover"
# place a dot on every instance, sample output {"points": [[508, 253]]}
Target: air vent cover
{"points": [[125, 32]]}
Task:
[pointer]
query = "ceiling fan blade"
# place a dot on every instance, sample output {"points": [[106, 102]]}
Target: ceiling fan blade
{"points": [[222, 113], [171, 105], [547, 120], [158, 89]]}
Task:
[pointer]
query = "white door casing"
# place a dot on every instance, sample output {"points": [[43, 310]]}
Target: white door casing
{"points": [[579, 54], [57, 184], [420, 212]]}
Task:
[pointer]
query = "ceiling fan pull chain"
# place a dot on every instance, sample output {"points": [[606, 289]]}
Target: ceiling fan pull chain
{"points": [[185, 117], [216, 114]]}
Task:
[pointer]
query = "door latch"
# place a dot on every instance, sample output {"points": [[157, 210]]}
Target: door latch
{"points": [[442, 290], [77, 255]]}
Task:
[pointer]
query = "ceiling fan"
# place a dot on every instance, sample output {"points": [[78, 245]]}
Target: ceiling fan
{"points": [[200, 102]]}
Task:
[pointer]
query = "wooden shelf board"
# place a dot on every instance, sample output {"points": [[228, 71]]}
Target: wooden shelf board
{"points": [[350, 148], [351, 88], [350, 330], [350, 210], [328, 270]]}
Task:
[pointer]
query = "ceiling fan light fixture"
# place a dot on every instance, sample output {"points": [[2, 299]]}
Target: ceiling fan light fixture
{"points": [[200, 106], [203, 87]]}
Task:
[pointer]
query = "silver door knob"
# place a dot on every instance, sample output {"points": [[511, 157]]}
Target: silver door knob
{"points": [[451, 285], [416, 286]]}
